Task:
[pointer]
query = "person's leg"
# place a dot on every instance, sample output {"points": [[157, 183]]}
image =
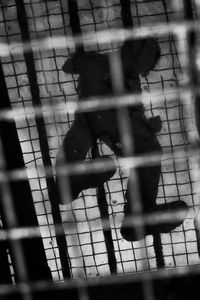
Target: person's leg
{"points": [[148, 178], [75, 147]]}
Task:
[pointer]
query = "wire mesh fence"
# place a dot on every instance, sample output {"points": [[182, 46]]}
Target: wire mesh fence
{"points": [[83, 238]]}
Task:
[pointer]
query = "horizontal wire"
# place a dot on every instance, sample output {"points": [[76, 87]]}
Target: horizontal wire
{"points": [[67, 284], [150, 218], [79, 168], [102, 37], [98, 103]]}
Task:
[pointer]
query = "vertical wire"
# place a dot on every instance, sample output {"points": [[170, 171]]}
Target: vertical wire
{"points": [[21, 192], [124, 119], [63, 180], [181, 104], [11, 219], [193, 82], [103, 207], [65, 187], [45, 213], [126, 13], [126, 134], [128, 141], [192, 72], [53, 194], [25, 210], [128, 148], [101, 195], [123, 116], [110, 7]]}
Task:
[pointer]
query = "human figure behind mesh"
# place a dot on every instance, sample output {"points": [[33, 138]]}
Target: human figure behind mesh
{"points": [[138, 58]]}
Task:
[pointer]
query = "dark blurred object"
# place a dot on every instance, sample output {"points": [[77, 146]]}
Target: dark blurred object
{"points": [[173, 288], [138, 57]]}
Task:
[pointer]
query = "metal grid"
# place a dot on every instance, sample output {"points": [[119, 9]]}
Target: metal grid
{"points": [[84, 250]]}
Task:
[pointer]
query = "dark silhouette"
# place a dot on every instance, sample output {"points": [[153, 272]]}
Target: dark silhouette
{"points": [[138, 57]]}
